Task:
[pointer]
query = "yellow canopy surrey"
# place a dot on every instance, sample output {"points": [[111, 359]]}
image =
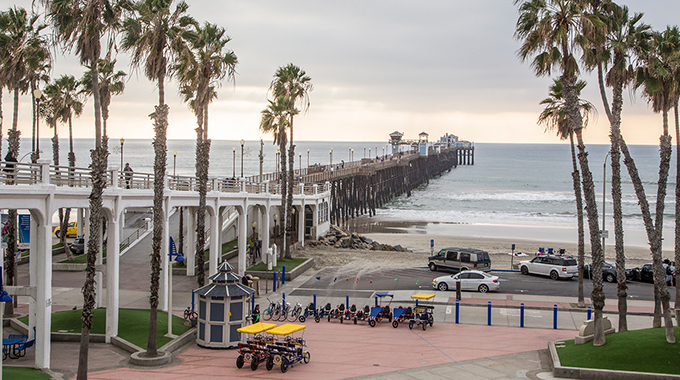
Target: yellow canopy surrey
{"points": [[256, 328], [422, 296], [286, 329]]}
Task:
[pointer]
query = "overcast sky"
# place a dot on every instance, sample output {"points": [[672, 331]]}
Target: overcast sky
{"points": [[376, 66]]}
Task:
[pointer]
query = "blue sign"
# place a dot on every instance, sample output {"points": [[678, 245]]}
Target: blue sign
{"points": [[24, 231], [173, 248]]}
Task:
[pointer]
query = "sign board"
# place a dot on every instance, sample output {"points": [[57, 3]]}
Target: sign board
{"points": [[422, 148], [604, 234], [24, 231]]}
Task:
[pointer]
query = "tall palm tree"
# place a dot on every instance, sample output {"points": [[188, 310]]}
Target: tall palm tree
{"points": [[156, 36], [111, 83], [22, 45], [551, 31], [80, 25], [199, 74], [624, 33], [555, 119], [655, 76], [274, 120], [294, 85]]}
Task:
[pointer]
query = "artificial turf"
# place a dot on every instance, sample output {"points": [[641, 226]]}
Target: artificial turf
{"points": [[22, 373], [638, 350], [133, 325]]}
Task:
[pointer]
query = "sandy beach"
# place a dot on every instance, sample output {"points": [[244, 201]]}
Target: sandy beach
{"points": [[419, 245]]}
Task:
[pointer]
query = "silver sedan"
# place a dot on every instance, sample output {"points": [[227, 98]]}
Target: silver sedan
{"points": [[473, 280]]}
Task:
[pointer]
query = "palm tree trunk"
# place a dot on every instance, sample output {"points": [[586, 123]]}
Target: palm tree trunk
{"points": [[1, 123], [13, 146], [34, 155], [200, 214], [284, 193], [291, 180], [575, 175], [677, 209], [597, 295], [160, 121]]}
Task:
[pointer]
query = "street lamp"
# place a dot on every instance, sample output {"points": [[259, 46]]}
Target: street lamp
{"points": [[174, 163], [349, 154], [242, 142], [122, 141], [233, 166], [331, 152], [369, 152], [276, 216], [604, 189], [383, 152], [307, 157], [352, 154], [178, 258], [37, 94], [4, 297], [300, 156], [364, 152]]}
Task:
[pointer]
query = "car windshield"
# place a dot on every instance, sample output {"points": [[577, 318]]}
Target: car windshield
{"points": [[569, 262]]}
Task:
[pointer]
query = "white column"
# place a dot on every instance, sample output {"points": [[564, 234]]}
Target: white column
{"points": [[301, 223], [242, 239], [190, 240], [315, 219], [86, 226], [215, 249], [43, 308], [265, 228], [98, 276], [81, 222], [112, 277], [165, 248], [33, 270]]}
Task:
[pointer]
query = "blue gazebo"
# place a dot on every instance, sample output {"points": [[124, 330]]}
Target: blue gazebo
{"points": [[222, 307]]}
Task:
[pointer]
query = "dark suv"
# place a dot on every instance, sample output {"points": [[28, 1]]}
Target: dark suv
{"points": [[460, 259], [78, 246]]}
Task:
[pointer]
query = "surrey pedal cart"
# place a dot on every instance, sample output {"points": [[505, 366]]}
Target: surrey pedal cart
{"points": [[379, 312], [254, 351], [422, 314], [287, 351]]}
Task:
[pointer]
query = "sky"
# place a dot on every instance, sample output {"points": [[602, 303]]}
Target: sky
{"points": [[437, 66]]}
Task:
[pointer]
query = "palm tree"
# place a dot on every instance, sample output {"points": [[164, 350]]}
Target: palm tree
{"points": [[274, 120], [199, 74], [554, 118], [659, 84], [110, 83], [80, 25], [624, 33], [156, 36], [22, 45], [294, 85], [553, 31]]}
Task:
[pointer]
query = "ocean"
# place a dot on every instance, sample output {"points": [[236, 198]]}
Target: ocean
{"points": [[521, 191]]}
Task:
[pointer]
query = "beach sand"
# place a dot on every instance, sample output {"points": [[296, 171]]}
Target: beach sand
{"points": [[419, 245]]}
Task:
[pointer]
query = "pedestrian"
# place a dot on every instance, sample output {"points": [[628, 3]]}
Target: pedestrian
{"points": [[10, 167], [668, 272], [127, 171], [258, 249]]}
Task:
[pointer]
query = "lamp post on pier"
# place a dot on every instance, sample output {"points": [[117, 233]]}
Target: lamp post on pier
{"points": [[233, 165], [352, 154], [331, 153], [242, 142], [300, 156], [37, 94], [364, 152], [383, 152], [349, 154], [307, 158], [178, 258], [122, 141], [376, 150], [174, 163], [369, 152]]}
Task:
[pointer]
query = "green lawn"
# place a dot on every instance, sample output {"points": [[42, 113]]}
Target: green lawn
{"points": [[638, 350], [226, 247], [18, 373], [133, 324], [289, 263]]}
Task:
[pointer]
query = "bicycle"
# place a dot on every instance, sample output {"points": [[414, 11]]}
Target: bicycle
{"points": [[190, 314], [295, 312], [284, 311], [270, 310]]}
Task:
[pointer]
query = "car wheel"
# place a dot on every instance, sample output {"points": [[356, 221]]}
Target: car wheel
{"points": [[524, 270], [610, 278], [57, 234], [239, 361], [433, 267], [442, 286], [554, 275], [483, 288]]}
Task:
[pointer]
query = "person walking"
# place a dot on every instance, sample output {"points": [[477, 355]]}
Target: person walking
{"points": [[10, 167], [127, 172]]}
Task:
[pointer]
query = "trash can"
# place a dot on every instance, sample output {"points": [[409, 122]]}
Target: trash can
{"points": [[256, 285]]}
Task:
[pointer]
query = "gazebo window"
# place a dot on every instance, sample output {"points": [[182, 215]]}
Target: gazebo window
{"points": [[216, 333], [234, 335], [201, 309], [201, 331], [236, 309], [217, 312]]}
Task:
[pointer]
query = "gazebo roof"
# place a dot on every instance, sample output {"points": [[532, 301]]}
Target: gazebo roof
{"points": [[225, 283]]}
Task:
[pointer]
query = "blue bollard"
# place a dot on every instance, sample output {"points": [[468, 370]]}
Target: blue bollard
{"points": [[416, 302], [274, 282], [589, 311], [555, 317], [521, 314], [488, 322], [192, 299], [314, 301], [283, 296], [457, 311], [252, 306], [283, 275], [347, 301]]}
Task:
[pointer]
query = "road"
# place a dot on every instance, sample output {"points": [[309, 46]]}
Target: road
{"points": [[332, 281]]}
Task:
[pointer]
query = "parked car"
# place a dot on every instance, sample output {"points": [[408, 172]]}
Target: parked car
{"points": [[644, 273], [71, 230], [554, 266], [78, 246], [474, 280], [460, 259], [608, 272]]}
